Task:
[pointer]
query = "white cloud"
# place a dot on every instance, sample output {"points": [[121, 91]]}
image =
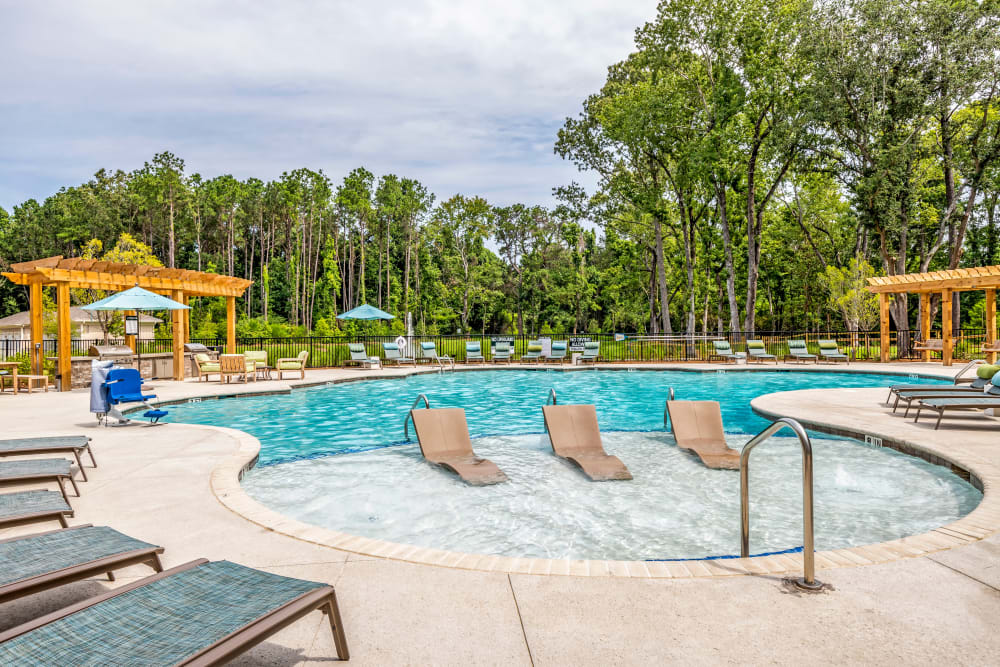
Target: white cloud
{"points": [[465, 96]]}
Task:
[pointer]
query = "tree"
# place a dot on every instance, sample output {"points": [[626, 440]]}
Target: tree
{"points": [[849, 294]]}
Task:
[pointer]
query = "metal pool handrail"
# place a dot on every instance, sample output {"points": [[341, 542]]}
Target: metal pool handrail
{"points": [[551, 400], [406, 422], [808, 580], [666, 413]]}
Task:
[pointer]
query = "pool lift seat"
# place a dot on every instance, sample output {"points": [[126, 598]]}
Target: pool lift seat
{"points": [[697, 427], [443, 436], [124, 386], [576, 436]]}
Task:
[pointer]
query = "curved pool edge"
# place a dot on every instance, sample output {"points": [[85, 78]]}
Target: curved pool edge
{"points": [[983, 521]]}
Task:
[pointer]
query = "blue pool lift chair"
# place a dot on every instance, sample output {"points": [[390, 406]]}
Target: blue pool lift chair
{"points": [[124, 386]]}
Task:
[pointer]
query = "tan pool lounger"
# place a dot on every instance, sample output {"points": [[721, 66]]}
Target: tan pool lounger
{"points": [[443, 435], [697, 426], [575, 436]]}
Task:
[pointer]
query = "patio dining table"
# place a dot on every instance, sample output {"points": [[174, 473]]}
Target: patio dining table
{"points": [[12, 367]]}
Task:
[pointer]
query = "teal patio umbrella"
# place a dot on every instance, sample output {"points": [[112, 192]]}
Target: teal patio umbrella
{"points": [[365, 312], [137, 299]]}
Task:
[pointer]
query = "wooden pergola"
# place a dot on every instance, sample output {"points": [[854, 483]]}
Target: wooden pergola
{"points": [[73, 273], [946, 283]]}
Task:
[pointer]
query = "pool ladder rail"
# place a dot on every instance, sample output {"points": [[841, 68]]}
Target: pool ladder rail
{"points": [[552, 400], [406, 422]]}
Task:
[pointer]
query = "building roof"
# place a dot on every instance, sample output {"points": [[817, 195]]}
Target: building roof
{"points": [[77, 315]]}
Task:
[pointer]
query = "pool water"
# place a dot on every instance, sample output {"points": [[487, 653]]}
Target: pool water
{"points": [[334, 456]]}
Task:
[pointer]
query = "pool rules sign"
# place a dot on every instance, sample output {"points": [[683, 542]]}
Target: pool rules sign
{"points": [[131, 325]]}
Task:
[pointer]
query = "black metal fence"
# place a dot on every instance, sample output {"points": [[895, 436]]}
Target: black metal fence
{"points": [[327, 351]]}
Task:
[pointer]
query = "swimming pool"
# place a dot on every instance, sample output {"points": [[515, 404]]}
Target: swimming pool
{"points": [[333, 456]]}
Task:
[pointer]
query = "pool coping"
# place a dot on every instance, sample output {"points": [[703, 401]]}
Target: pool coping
{"points": [[983, 521]]}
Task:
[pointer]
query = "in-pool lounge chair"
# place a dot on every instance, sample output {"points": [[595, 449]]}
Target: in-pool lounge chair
{"points": [[23, 507], [757, 351], [34, 563], [697, 427], [721, 349], [296, 364], [360, 357], [976, 380], [828, 350], [576, 437], [39, 470], [428, 352], [797, 350], [443, 435], [558, 351], [533, 352], [57, 444], [394, 355], [591, 352], [199, 613], [474, 352], [982, 401], [502, 352], [206, 366]]}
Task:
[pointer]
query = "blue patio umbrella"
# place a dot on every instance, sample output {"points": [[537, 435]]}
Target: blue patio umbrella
{"points": [[137, 299], [366, 312]]}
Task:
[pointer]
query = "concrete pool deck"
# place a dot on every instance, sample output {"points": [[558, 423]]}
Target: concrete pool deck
{"points": [[929, 598]]}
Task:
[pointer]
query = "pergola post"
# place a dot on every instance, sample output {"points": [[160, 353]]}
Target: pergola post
{"points": [[64, 348], [37, 330], [177, 335], [883, 310], [946, 333], [187, 319], [230, 325], [925, 323], [991, 323]]}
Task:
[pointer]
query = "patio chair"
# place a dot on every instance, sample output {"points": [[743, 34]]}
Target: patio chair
{"points": [[978, 381], [443, 435], [394, 355], [293, 364], [575, 436], [77, 444], [38, 562], [39, 470], [206, 366], [202, 612], [360, 357], [591, 352], [474, 352], [797, 350], [723, 350], [756, 350], [231, 365], [502, 352], [259, 359], [534, 351], [23, 507], [697, 427], [428, 352], [828, 350], [558, 352]]}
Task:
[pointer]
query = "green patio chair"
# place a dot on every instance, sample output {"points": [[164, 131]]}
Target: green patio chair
{"points": [[534, 351], [558, 352], [797, 350], [502, 352], [429, 353], [360, 357], [474, 352], [206, 366], [756, 350], [723, 350], [292, 365], [591, 352], [828, 350], [259, 359], [394, 355]]}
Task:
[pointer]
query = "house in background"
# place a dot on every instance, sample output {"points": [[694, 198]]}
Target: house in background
{"points": [[18, 326]]}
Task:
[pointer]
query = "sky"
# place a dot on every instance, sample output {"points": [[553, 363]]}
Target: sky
{"points": [[466, 97]]}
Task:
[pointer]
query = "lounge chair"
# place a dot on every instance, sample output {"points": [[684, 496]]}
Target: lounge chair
{"points": [[206, 366], [591, 352], [199, 613], [236, 365], [797, 350], [428, 352], [576, 437], [394, 355], [942, 405], [533, 352], [474, 352], [721, 349], [259, 359], [557, 352], [292, 365], [828, 350], [42, 561], [443, 435], [39, 470], [697, 427], [23, 507], [77, 444], [907, 398], [984, 373], [756, 350], [360, 357], [502, 352]]}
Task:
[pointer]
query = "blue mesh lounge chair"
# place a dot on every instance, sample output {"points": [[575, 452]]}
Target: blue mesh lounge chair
{"points": [[474, 352], [981, 401], [360, 357], [591, 352], [34, 563], [978, 381], [23, 507], [39, 470], [502, 352], [723, 350], [756, 350], [558, 353], [395, 355], [199, 613], [797, 350], [828, 350], [77, 444]]}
